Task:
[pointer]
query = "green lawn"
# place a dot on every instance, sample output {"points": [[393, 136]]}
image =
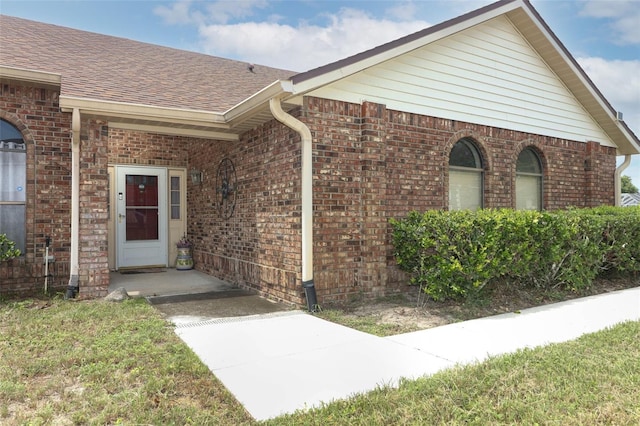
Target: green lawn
{"points": [[97, 362]]}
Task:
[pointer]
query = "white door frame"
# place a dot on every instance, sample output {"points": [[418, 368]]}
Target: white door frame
{"points": [[138, 253]]}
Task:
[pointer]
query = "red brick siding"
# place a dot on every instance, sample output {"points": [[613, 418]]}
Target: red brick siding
{"points": [[35, 112], [371, 164], [94, 190], [259, 246], [147, 149]]}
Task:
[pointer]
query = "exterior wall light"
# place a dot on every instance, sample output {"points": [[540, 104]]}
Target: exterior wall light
{"points": [[196, 176]]}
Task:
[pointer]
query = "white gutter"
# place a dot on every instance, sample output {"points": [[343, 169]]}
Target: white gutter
{"points": [[23, 74], [617, 185], [306, 196], [144, 112], [255, 102], [73, 287]]}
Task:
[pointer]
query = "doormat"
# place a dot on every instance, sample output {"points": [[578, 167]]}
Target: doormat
{"points": [[142, 271]]}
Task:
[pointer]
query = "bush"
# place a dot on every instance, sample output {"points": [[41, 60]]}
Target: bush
{"points": [[8, 248], [621, 238], [456, 254]]}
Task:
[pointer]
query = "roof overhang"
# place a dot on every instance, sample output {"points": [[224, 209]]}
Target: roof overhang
{"points": [[174, 121], [30, 76], [254, 110], [228, 125]]}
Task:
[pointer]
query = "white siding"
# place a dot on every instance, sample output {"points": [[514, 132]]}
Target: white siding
{"points": [[487, 74]]}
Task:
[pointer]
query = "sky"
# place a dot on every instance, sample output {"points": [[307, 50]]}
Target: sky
{"points": [[298, 35]]}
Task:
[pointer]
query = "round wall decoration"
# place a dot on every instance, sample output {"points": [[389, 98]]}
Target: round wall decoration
{"points": [[226, 188]]}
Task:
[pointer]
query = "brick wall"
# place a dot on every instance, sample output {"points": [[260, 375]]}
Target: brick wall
{"points": [[371, 164], [35, 112], [259, 246], [147, 149]]}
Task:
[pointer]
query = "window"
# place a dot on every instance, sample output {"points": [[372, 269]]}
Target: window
{"points": [[175, 197], [13, 183], [466, 179], [528, 181]]}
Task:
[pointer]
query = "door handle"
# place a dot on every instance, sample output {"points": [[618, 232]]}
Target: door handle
{"points": [[120, 216]]}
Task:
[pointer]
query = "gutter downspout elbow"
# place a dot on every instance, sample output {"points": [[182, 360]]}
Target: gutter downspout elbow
{"points": [[73, 286], [617, 185], [306, 198]]}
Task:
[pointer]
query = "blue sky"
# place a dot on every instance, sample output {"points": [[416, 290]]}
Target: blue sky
{"points": [[603, 35]]}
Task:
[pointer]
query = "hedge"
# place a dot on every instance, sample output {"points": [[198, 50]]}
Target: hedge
{"points": [[456, 254]]}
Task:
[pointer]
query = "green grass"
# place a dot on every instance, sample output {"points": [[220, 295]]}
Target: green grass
{"points": [[103, 363], [593, 380], [94, 362]]}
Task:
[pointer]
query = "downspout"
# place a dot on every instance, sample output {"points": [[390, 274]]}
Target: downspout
{"points": [[617, 179], [306, 198], [73, 287]]}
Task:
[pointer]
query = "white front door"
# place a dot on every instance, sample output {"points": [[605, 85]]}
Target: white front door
{"points": [[141, 217]]}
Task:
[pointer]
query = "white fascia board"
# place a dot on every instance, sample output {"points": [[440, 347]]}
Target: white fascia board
{"points": [[256, 101], [31, 76], [143, 112], [337, 74]]}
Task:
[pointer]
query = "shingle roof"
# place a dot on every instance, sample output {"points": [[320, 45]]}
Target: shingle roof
{"points": [[102, 67]]}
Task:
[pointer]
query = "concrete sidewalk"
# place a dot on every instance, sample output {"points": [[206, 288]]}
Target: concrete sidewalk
{"points": [[278, 363]]}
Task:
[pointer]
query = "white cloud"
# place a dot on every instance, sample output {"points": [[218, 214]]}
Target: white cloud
{"points": [[178, 13], [404, 11], [624, 14], [219, 12], [304, 46], [223, 11], [619, 82]]}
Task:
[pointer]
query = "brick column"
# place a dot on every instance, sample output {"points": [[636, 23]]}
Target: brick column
{"points": [[93, 258], [590, 171], [373, 272]]}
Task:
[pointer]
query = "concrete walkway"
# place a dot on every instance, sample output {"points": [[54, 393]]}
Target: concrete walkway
{"points": [[280, 362]]}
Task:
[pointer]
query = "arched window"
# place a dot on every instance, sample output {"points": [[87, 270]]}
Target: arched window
{"points": [[466, 180], [528, 181], [13, 183]]}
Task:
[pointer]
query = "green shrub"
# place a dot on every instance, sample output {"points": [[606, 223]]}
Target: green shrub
{"points": [[456, 254], [621, 238], [8, 248], [567, 248], [463, 249]]}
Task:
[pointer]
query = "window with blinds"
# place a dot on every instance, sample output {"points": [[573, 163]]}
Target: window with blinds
{"points": [[466, 178], [13, 184], [528, 181]]}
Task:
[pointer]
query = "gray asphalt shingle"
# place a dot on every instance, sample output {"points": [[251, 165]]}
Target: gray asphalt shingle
{"points": [[110, 68]]}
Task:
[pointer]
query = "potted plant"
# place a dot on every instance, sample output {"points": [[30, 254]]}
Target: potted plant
{"points": [[185, 259]]}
